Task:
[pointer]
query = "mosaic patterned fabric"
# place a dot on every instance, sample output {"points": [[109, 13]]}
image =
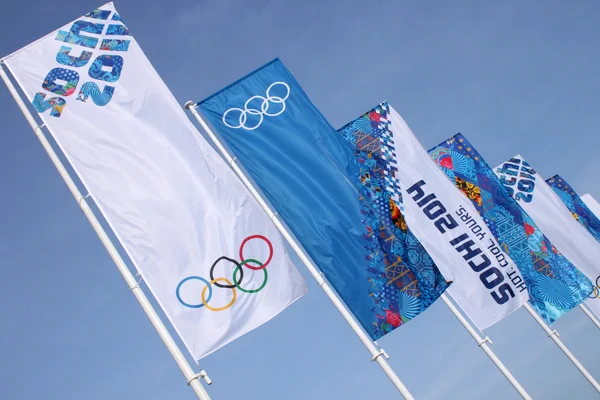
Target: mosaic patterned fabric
{"points": [[98, 14], [578, 208], [406, 264], [555, 285]]}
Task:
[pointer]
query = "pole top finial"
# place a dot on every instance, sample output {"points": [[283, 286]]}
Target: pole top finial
{"points": [[189, 104]]}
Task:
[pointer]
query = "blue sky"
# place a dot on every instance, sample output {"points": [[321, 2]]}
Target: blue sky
{"points": [[513, 76]]}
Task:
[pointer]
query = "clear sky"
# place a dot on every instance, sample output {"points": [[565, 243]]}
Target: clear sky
{"points": [[513, 76]]}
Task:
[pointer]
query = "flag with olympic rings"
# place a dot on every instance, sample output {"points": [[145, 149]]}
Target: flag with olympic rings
{"points": [[210, 255], [309, 174]]}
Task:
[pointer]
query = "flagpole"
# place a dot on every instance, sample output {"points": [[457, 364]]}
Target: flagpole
{"points": [[482, 343], [193, 379], [590, 315], [377, 354], [552, 334]]}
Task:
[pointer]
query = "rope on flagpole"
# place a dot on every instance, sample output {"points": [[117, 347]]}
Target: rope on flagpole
{"points": [[164, 334], [137, 284], [312, 268], [552, 334], [82, 198]]}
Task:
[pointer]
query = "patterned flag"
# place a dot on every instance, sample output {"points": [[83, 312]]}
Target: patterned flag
{"points": [[392, 162], [581, 212], [555, 285], [310, 175], [403, 252], [547, 210], [209, 254]]}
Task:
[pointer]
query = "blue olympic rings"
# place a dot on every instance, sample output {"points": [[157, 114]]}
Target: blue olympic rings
{"points": [[193, 305]]}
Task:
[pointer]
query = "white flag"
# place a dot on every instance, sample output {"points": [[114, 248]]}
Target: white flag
{"points": [[487, 284], [555, 220], [592, 204], [209, 254]]}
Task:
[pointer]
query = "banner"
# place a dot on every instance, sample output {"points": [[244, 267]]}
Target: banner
{"points": [[549, 213], [580, 211], [592, 204], [555, 286], [426, 209], [208, 253], [401, 248], [310, 175]]}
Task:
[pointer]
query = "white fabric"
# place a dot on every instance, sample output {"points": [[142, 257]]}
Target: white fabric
{"points": [[592, 204], [171, 200], [554, 219], [414, 165]]}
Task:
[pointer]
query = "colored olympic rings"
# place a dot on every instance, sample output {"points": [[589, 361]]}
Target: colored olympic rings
{"points": [[238, 271], [237, 267], [237, 283], [264, 108], [187, 279], [226, 306], [270, 252]]}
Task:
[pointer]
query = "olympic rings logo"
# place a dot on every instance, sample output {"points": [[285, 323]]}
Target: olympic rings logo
{"points": [[264, 108], [237, 277], [596, 292]]}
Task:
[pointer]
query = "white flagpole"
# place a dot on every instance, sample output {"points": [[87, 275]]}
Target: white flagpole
{"points": [[482, 343], [552, 334], [590, 315], [377, 354], [193, 379]]}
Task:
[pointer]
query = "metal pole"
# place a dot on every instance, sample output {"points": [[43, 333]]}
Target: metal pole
{"points": [[552, 334], [590, 315], [191, 377], [486, 348], [377, 354]]}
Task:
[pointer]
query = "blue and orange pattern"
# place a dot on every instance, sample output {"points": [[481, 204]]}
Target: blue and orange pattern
{"points": [[63, 57], [115, 45], [117, 30], [105, 60], [555, 285], [70, 77], [56, 105], [75, 35], [578, 208], [404, 278]]}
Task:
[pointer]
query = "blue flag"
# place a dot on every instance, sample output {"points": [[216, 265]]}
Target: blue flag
{"points": [[576, 205], [555, 285], [308, 172]]}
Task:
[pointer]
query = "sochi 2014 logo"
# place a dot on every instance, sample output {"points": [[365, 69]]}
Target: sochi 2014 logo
{"points": [[64, 80]]}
